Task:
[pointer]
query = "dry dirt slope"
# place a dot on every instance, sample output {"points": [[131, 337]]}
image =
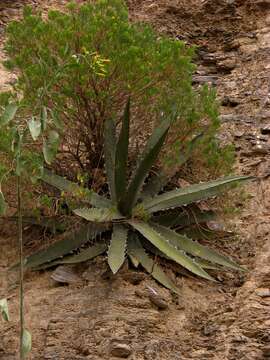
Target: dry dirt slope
{"points": [[227, 321]]}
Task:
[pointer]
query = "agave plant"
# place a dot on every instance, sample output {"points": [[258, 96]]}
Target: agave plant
{"points": [[137, 216]]}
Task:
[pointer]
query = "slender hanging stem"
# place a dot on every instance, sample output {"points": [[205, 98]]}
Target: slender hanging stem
{"points": [[20, 238]]}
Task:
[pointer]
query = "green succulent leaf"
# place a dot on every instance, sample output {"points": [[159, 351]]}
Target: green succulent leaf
{"points": [[183, 219], [191, 247], [109, 150], [135, 250], [84, 255], [4, 309], [121, 156], [98, 215], [148, 158], [117, 248], [74, 189], [69, 242], [50, 146], [8, 114], [164, 245], [34, 128], [193, 193], [26, 343]]}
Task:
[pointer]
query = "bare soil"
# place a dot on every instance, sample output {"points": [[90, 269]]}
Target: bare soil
{"points": [[230, 320]]}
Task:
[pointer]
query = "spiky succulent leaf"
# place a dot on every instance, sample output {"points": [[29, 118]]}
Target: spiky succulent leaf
{"points": [[135, 250], [98, 215], [148, 157], [159, 180], [62, 247], [207, 265], [168, 249], [121, 156], [117, 248], [84, 255], [74, 189], [183, 219], [192, 193], [191, 247], [47, 222], [109, 150]]}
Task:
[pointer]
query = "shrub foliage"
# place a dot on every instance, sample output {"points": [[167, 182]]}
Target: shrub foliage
{"points": [[83, 64]]}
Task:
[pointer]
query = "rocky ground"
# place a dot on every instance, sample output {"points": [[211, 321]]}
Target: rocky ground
{"points": [[96, 318]]}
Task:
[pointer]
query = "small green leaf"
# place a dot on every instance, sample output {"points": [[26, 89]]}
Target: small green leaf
{"points": [[4, 309], [98, 215], [26, 343], [3, 204], [50, 146], [117, 248], [34, 128], [9, 114]]}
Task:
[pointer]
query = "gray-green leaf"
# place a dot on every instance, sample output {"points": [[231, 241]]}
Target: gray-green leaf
{"points": [[34, 128], [148, 158], [9, 114], [168, 249], [26, 343], [192, 193], [117, 248], [74, 189], [184, 243], [4, 309], [98, 215], [135, 250], [83, 255]]}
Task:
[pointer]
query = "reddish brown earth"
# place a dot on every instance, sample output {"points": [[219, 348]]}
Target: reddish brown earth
{"points": [[225, 321]]}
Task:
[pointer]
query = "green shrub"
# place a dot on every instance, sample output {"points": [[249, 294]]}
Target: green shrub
{"points": [[82, 66]]}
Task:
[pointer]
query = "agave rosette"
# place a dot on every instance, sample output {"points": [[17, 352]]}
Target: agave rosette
{"points": [[137, 211]]}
